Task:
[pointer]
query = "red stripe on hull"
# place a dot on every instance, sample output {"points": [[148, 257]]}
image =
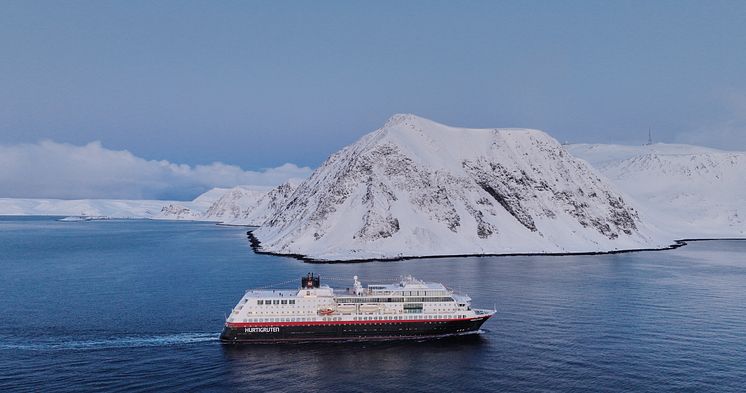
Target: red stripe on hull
{"points": [[352, 339]]}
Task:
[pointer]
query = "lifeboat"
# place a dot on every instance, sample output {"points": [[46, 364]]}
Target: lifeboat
{"points": [[326, 311], [369, 308], [346, 309]]}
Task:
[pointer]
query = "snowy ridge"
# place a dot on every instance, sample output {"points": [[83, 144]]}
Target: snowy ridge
{"points": [[232, 204], [114, 208], [269, 204], [693, 191], [207, 198], [250, 205], [416, 187], [598, 154], [176, 211], [241, 205]]}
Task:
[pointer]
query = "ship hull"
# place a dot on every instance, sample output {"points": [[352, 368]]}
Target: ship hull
{"points": [[269, 333]]}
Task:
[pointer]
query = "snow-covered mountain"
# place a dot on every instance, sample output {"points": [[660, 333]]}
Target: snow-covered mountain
{"points": [[221, 203], [176, 211], [189, 210], [207, 198], [694, 192], [269, 204], [241, 205], [114, 208], [599, 154], [416, 187], [232, 205]]}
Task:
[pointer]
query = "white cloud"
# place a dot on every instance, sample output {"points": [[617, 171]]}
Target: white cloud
{"points": [[58, 170]]}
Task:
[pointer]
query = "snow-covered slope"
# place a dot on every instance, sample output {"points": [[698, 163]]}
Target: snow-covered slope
{"points": [[244, 205], [232, 205], [241, 205], [598, 154], [267, 205], [115, 208], [692, 191], [176, 211], [85, 207], [190, 210], [206, 199], [416, 187]]}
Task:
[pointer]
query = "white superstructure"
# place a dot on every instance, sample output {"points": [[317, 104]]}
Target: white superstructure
{"points": [[409, 299]]}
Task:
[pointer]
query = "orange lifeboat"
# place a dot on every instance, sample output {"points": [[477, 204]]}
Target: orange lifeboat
{"points": [[326, 311]]}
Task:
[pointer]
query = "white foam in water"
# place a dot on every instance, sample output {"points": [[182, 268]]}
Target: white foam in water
{"points": [[117, 342]]}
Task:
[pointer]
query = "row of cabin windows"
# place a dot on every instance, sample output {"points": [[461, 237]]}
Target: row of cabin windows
{"points": [[408, 293], [367, 318], [296, 319], [396, 317], [292, 319], [275, 301], [376, 318], [392, 299], [423, 293]]}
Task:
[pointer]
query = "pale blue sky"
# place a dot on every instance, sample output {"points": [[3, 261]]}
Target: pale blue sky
{"points": [[259, 84]]}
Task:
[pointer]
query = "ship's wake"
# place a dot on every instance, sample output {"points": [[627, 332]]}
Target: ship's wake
{"points": [[130, 341]]}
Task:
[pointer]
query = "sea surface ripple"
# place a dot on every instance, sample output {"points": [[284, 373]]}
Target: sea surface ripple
{"points": [[138, 305]]}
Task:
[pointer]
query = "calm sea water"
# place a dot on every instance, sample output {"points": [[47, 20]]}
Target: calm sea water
{"points": [[138, 305]]}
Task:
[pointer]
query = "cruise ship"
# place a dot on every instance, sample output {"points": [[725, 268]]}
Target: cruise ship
{"points": [[408, 309]]}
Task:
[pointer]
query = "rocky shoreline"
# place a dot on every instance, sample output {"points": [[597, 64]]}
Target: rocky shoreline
{"points": [[257, 248]]}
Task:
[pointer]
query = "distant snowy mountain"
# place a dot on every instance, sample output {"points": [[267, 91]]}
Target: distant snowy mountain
{"points": [[192, 210], [233, 204], [256, 214], [241, 205], [692, 191], [598, 154], [206, 199], [114, 208], [83, 207], [416, 187], [175, 211]]}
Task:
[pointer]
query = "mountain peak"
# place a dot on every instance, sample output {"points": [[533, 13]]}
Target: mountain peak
{"points": [[406, 119], [416, 187]]}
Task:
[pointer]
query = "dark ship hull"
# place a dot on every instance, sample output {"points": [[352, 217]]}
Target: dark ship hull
{"points": [[384, 330]]}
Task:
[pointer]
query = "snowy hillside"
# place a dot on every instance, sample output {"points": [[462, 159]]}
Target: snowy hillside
{"points": [[233, 204], [416, 187], [206, 199], [176, 211], [256, 214], [241, 205], [83, 207], [692, 191], [115, 208], [598, 154], [189, 210]]}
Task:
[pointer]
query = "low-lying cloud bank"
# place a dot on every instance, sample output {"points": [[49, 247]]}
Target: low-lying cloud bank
{"points": [[59, 170]]}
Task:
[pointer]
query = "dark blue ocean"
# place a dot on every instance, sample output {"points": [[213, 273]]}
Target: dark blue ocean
{"points": [[138, 306]]}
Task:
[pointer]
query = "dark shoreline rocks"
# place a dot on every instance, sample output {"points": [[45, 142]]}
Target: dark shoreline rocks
{"points": [[256, 246]]}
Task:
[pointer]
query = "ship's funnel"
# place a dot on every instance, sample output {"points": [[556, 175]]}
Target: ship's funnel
{"points": [[310, 281]]}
